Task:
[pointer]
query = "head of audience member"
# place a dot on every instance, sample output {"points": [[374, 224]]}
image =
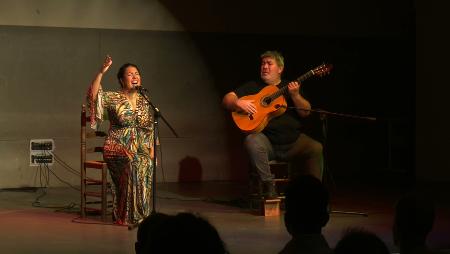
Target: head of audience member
{"points": [[306, 206], [182, 233], [413, 221], [357, 241], [148, 229]]}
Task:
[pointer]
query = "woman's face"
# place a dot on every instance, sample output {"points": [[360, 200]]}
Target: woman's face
{"points": [[131, 78]]}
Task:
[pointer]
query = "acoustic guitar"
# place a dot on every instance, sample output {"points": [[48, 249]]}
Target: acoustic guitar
{"points": [[270, 103]]}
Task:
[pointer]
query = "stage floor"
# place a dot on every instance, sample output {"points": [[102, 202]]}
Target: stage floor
{"points": [[54, 228]]}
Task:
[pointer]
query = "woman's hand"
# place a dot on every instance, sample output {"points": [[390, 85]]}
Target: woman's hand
{"points": [[106, 64], [152, 153]]}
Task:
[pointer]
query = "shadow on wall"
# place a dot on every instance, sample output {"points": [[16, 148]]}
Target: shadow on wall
{"points": [[190, 170]]}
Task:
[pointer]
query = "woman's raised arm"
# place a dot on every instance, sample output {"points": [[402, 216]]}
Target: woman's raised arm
{"points": [[95, 85]]}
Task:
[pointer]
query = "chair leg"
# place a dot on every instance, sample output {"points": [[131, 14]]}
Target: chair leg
{"points": [[83, 191], [104, 195]]}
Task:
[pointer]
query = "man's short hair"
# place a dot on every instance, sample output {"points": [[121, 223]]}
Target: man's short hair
{"points": [[275, 55]]}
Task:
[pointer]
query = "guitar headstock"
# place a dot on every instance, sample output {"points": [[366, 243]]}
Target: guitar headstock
{"points": [[322, 70]]}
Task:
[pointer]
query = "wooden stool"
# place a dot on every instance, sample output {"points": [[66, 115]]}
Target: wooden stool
{"points": [[271, 207], [280, 171]]}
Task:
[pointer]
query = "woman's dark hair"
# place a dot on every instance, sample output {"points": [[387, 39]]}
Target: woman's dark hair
{"points": [[122, 69]]}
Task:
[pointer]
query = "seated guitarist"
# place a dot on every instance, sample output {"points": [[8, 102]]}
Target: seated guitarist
{"points": [[282, 138]]}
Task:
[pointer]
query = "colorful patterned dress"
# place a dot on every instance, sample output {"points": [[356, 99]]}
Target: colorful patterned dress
{"points": [[127, 153]]}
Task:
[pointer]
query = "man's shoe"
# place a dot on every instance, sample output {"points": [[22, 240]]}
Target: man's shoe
{"points": [[255, 188], [269, 190]]}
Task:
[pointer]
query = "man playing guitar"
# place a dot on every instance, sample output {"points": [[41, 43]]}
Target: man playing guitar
{"points": [[279, 137]]}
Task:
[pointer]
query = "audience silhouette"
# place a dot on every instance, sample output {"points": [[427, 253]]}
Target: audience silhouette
{"points": [[306, 214], [181, 233], [357, 241], [413, 221], [147, 231]]}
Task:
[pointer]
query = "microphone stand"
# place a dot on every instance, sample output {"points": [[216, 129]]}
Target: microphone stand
{"points": [[323, 115], [156, 116]]}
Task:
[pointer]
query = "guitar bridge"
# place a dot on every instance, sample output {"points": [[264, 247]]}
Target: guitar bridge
{"points": [[278, 106]]}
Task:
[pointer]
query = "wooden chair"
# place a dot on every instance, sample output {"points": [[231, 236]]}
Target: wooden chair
{"points": [[94, 176]]}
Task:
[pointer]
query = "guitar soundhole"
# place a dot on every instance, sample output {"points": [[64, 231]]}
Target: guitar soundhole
{"points": [[266, 101]]}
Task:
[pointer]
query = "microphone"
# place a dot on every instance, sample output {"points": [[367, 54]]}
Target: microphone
{"points": [[140, 88]]}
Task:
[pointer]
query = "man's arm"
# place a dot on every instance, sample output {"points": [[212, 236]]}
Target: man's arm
{"points": [[231, 102]]}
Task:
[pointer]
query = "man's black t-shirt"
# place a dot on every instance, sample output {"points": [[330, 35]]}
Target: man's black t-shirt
{"points": [[281, 130]]}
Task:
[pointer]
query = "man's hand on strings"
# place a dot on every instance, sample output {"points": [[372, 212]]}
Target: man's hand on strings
{"points": [[294, 88], [246, 105]]}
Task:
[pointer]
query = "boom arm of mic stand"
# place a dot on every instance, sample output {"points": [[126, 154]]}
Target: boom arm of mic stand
{"points": [[324, 112]]}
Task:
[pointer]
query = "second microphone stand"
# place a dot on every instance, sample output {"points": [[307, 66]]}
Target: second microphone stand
{"points": [[323, 115], [323, 118]]}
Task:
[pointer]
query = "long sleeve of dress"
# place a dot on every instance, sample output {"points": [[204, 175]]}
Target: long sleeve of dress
{"points": [[96, 107]]}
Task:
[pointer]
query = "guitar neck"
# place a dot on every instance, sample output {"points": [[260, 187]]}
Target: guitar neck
{"points": [[305, 76], [284, 89]]}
